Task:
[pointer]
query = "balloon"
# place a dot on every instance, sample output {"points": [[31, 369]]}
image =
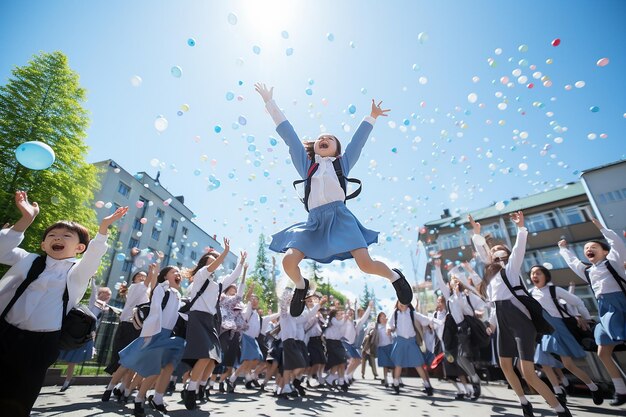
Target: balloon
{"points": [[556, 42], [256, 49], [176, 71], [352, 109], [120, 257], [108, 205], [230, 95], [139, 204], [35, 155], [160, 124], [154, 162], [363, 90], [232, 18], [179, 113], [472, 98], [217, 128], [308, 92], [135, 81], [99, 204], [579, 84], [284, 34], [191, 42], [289, 51], [423, 80], [143, 220], [197, 172], [523, 166], [273, 142], [523, 48], [422, 37], [594, 109], [263, 199], [330, 37], [185, 107], [167, 202], [602, 62], [242, 120]]}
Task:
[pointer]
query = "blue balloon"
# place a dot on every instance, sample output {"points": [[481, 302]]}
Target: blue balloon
{"points": [[263, 199], [217, 128], [191, 42], [230, 95], [308, 92], [273, 142], [352, 109], [35, 155], [120, 257], [256, 49], [177, 71]]}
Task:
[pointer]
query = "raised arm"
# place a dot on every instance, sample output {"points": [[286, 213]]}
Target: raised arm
{"points": [[220, 259], [353, 150], [572, 260], [152, 324], [574, 301], [516, 259], [366, 315], [242, 284], [29, 211], [618, 249], [479, 242], [236, 272], [445, 290]]}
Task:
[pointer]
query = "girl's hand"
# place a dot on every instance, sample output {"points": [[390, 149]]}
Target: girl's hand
{"points": [[265, 94], [518, 219], [371, 304], [323, 300], [109, 220], [242, 257], [29, 211], [562, 243], [226, 245], [475, 225], [595, 221], [377, 111]]}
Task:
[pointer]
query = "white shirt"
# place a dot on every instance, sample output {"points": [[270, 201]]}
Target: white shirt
{"points": [[256, 324], [383, 338], [138, 293], [206, 302], [351, 329], [40, 307], [602, 282], [335, 330], [293, 327], [543, 296], [404, 327], [325, 186], [158, 318]]}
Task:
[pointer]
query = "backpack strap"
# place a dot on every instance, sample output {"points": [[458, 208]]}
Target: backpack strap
{"points": [[562, 310], [620, 280], [39, 264], [469, 301], [188, 306], [307, 186], [512, 288], [343, 181], [166, 298]]}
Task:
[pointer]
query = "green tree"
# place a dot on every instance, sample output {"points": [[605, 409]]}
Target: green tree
{"points": [[43, 101], [366, 297], [264, 276], [316, 270]]}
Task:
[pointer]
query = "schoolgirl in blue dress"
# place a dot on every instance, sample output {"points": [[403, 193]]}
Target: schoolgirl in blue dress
{"points": [[607, 278], [561, 342], [156, 352], [331, 231], [383, 343], [350, 333]]}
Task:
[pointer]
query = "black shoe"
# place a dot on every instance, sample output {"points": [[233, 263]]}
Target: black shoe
{"points": [[297, 300], [344, 387], [255, 383], [565, 413], [171, 387], [597, 397], [528, 409], [106, 395], [429, 391], [298, 385], [190, 400], [124, 399], [249, 385], [618, 399], [459, 396], [221, 387], [118, 394], [182, 393], [387, 385], [401, 384], [396, 388], [383, 382], [403, 289], [562, 397], [230, 386], [158, 407], [293, 394], [476, 394], [139, 411], [308, 384], [65, 386], [262, 387], [201, 390]]}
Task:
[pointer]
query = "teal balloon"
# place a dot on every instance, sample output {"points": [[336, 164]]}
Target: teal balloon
{"points": [[256, 49], [594, 109], [217, 129], [263, 199], [308, 92], [352, 109], [289, 51], [230, 95], [35, 155], [177, 71], [120, 257], [191, 42], [273, 142]]}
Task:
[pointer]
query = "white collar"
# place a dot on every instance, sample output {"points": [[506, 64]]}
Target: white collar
{"points": [[319, 159], [50, 261]]}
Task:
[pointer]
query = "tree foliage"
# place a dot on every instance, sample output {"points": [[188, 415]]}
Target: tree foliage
{"points": [[263, 275], [43, 101]]}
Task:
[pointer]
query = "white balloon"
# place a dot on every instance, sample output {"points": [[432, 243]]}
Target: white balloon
{"points": [[160, 124]]}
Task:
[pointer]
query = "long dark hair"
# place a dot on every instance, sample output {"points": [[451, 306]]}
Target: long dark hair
{"points": [[379, 316], [204, 261], [490, 271], [546, 272], [161, 277]]}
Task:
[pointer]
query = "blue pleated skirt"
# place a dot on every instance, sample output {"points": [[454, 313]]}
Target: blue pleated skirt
{"points": [[148, 360], [406, 354], [351, 350], [561, 341], [330, 233], [78, 355], [250, 350], [383, 354], [611, 330], [543, 358]]}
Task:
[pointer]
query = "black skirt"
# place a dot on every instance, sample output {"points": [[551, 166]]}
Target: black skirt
{"points": [[295, 355], [317, 351], [516, 332], [124, 335], [202, 339], [231, 347], [336, 353]]}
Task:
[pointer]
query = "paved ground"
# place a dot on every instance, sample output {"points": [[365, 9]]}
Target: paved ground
{"points": [[365, 398]]}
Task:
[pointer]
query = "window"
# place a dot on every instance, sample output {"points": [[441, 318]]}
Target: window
{"points": [[452, 240], [156, 233], [185, 232], [174, 224], [123, 189], [530, 259], [137, 224], [193, 255], [494, 229], [159, 213], [542, 221], [576, 214], [166, 260], [133, 243], [127, 266], [144, 207], [170, 240], [182, 250], [584, 293]]}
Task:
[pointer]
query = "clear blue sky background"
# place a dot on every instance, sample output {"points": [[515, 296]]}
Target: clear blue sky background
{"points": [[452, 154]]}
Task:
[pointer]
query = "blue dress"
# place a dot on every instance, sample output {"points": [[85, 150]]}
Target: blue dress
{"points": [[331, 231]]}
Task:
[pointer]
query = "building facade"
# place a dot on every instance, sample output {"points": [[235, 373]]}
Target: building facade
{"points": [[156, 221], [561, 213]]}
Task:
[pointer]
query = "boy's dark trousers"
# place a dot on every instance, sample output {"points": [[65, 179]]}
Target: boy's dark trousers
{"points": [[24, 358]]}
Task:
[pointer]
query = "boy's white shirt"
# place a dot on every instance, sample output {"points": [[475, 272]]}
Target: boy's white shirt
{"points": [[40, 308]]}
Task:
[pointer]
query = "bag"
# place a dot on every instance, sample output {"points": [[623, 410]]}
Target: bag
{"points": [[180, 328], [450, 335], [542, 326], [584, 337], [141, 311], [79, 327], [478, 332]]}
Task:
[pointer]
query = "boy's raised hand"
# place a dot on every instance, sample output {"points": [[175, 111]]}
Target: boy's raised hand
{"points": [[377, 111], [28, 210], [262, 89], [109, 220]]}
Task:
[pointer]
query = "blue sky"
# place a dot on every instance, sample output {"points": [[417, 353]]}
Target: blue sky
{"points": [[437, 149]]}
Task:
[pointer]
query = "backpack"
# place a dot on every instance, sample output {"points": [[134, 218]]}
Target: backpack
{"points": [[343, 180], [77, 326], [419, 334], [478, 329], [620, 280], [141, 311], [542, 326]]}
